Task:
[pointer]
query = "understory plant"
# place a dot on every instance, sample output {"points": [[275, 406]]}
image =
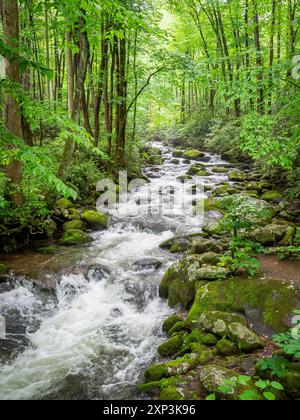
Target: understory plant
{"points": [[240, 217]]}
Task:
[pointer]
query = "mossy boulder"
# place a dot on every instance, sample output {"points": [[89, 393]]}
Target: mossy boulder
{"points": [[194, 169], [288, 238], [209, 258], [212, 273], [212, 377], [209, 340], [271, 196], [73, 224], [193, 154], [178, 284], [179, 247], [95, 220], [63, 203], [200, 246], [203, 173], [171, 346], [227, 348], [75, 237], [178, 327], [220, 192], [183, 178], [171, 394], [155, 373], [245, 339], [218, 170], [237, 176], [270, 234], [182, 365], [3, 268], [208, 204], [217, 322], [74, 214], [175, 161], [170, 322], [177, 154], [268, 303]]}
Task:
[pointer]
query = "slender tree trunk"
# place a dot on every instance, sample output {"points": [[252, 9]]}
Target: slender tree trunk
{"points": [[272, 54], [259, 61], [13, 120]]}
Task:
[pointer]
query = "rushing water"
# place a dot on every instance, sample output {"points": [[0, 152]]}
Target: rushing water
{"points": [[93, 338]]}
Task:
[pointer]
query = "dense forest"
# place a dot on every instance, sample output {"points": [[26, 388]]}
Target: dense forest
{"points": [[185, 89]]}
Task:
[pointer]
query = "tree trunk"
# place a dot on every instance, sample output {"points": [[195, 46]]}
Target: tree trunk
{"points": [[259, 61], [13, 119]]}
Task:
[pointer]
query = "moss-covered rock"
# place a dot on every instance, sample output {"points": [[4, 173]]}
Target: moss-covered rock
{"points": [[200, 246], [171, 346], [193, 154], [156, 386], [270, 234], [288, 238], [178, 327], [170, 322], [177, 153], [268, 303], [206, 356], [155, 373], [171, 394], [245, 339], [208, 204], [182, 365], [213, 377], [218, 170], [271, 196], [175, 161], [227, 348], [178, 284], [95, 220], [237, 176], [212, 273], [73, 224], [217, 322], [74, 214], [203, 173], [75, 237], [3, 268], [183, 178], [179, 247], [63, 203], [209, 340]]}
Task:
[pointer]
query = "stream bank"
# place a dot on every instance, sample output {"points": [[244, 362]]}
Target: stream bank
{"points": [[92, 315]]}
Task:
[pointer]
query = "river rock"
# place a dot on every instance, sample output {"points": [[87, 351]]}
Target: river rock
{"points": [[171, 346], [63, 203], [227, 348], [237, 175], [147, 264], [270, 234], [217, 322], [212, 377], [75, 237], [170, 322], [177, 154], [193, 154], [210, 258], [201, 245], [95, 220], [268, 303], [50, 228], [271, 196], [245, 339], [97, 272], [73, 224], [171, 394], [212, 273]]}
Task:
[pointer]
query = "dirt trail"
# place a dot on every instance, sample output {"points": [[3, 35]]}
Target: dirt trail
{"points": [[283, 270]]}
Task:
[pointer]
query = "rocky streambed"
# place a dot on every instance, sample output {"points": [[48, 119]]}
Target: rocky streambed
{"points": [[85, 322]]}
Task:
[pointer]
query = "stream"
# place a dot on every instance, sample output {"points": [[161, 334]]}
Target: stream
{"points": [[93, 337]]}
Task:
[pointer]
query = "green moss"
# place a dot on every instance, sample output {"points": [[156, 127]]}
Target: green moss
{"points": [[75, 237], [177, 154], [51, 250], [155, 373], [193, 154], [73, 224], [206, 357], [63, 203], [220, 170], [178, 327], [208, 204], [182, 365], [291, 382], [95, 219], [178, 247], [236, 176], [181, 292], [227, 348], [171, 394], [170, 322], [156, 386], [271, 195], [171, 346], [203, 173], [209, 339], [273, 300]]}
